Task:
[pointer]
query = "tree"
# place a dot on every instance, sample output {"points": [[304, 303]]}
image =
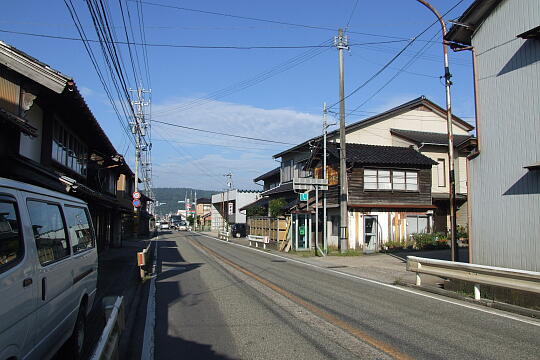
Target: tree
{"points": [[275, 207], [256, 211], [190, 220]]}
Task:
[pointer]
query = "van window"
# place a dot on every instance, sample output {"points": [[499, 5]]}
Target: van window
{"points": [[11, 246], [80, 232], [49, 231]]}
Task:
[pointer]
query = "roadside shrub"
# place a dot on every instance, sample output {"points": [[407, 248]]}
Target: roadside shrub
{"points": [[430, 241], [462, 232], [275, 207]]}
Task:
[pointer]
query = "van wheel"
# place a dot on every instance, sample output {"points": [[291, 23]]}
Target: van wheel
{"points": [[75, 343]]}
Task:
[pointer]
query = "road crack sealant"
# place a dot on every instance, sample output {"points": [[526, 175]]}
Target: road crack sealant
{"points": [[343, 334]]}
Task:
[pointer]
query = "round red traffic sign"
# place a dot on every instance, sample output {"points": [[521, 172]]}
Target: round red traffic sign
{"points": [[136, 195], [137, 203]]}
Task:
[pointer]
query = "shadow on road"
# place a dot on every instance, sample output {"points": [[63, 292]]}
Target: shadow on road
{"points": [[179, 348], [170, 346]]}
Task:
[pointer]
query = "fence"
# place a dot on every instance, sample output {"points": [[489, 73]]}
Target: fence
{"points": [[477, 274], [107, 346], [274, 228]]}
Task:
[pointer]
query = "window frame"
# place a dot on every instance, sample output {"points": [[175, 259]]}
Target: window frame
{"points": [[442, 162], [62, 216], [391, 174], [90, 226], [68, 144], [6, 198]]}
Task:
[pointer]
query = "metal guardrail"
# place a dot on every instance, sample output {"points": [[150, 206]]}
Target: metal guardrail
{"points": [[224, 235], [107, 346], [258, 239], [477, 274]]}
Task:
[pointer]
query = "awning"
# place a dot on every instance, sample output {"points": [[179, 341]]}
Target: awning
{"points": [[280, 189], [18, 122], [393, 206], [261, 202], [446, 196]]}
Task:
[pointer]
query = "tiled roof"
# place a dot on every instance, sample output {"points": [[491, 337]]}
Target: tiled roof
{"points": [[422, 137], [363, 154], [267, 174], [280, 189], [260, 202], [422, 100]]}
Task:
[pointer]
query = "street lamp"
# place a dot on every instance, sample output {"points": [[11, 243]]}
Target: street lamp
{"points": [[452, 182]]}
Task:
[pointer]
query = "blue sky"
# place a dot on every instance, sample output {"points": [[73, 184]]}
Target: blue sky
{"points": [[283, 103]]}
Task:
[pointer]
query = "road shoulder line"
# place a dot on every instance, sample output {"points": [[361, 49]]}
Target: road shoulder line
{"points": [[150, 323], [411, 291]]}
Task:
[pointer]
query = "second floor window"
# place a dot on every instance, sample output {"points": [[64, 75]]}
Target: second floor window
{"points": [[68, 150], [386, 179]]}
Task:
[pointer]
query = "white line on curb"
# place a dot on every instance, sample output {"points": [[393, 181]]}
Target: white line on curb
{"points": [[523, 320], [150, 323]]}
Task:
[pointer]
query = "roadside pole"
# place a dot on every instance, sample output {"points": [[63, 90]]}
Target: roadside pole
{"points": [[341, 44], [325, 230]]}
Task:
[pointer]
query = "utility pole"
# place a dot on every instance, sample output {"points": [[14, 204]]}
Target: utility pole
{"points": [[451, 163], [229, 186], [325, 233], [138, 128], [341, 43]]}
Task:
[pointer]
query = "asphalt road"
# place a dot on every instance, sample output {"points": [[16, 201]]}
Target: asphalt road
{"points": [[217, 300]]}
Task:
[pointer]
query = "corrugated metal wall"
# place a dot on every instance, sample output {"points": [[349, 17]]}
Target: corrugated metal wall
{"points": [[505, 197]]}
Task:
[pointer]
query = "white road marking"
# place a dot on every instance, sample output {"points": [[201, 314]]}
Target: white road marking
{"points": [[472, 307], [150, 323]]}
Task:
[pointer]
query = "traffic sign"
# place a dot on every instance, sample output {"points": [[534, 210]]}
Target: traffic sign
{"points": [[304, 196], [136, 195], [137, 203]]}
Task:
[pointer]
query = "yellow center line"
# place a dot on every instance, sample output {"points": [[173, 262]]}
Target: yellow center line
{"points": [[313, 308]]}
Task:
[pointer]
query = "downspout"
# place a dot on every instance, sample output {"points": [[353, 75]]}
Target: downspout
{"points": [[478, 145], [458, 48]]}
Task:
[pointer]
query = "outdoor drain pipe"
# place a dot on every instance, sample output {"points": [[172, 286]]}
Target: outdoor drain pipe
{"points": [[452, 183]]}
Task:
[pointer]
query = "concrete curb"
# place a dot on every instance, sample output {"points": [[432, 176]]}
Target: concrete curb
{"points": [[535, 314]]}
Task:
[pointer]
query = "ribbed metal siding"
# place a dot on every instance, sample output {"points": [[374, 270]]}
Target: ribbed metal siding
{"points": [[505, 197]]}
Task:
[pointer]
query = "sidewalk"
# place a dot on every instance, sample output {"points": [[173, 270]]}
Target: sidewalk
{"points": [[386, 268], [117, 276]]}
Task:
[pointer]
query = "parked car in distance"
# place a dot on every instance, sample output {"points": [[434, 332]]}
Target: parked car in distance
{"points": [[238, 230], [48, 272], [164, 225], [182, 226]]}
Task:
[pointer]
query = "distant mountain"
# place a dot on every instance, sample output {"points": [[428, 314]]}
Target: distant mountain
{"points": [[168, 198]]}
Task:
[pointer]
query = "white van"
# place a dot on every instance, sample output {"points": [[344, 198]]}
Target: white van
{"points": [[48, 271]]}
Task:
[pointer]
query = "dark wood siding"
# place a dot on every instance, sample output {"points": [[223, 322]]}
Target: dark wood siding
{"points": [[359, 196]]}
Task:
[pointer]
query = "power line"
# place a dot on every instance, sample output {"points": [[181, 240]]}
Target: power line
{"points": [[82, 34], [220, 133], [244, 84], [223, 47], [351, 16], [408, 64], [264, 20], [392, 59]]}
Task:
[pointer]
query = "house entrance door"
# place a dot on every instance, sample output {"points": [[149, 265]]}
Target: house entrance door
{"points": [[370, 233]]}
